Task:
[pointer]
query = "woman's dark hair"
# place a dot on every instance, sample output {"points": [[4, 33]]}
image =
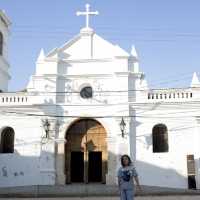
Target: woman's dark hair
{"points": [[128, 157]]}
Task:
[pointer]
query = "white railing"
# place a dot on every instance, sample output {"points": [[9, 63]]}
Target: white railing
{"points": [[13, 98], [170, 95], [26, 98]]}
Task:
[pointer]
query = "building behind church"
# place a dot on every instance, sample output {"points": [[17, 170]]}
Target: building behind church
{"points": [[88, 103]]}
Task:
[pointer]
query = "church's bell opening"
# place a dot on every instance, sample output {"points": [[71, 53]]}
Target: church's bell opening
{"points": [[86, 152]]}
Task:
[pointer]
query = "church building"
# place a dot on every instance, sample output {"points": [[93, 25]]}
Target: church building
{"points": [[88, 103]]}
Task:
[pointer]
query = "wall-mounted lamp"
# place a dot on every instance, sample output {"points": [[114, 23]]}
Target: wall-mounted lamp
{"points": [[46, 125], [122, 126]]}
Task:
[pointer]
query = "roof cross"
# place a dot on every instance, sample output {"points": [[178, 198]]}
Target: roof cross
{"points": [[87, 13]]}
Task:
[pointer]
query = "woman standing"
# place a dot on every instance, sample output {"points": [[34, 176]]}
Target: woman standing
{"points": [[126, 173]]}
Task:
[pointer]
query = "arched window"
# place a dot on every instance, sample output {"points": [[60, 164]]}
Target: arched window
{"points": [[7, 140], [160, 138], [1, 43]]}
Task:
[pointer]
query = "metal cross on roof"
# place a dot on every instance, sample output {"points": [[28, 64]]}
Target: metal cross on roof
{"points": [[87, 13]]}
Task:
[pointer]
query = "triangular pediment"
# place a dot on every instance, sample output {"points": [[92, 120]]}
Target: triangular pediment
{"points": [[85, 46]]}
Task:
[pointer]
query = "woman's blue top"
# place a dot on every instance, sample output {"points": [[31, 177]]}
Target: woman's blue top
{"points": [[125, 177]]}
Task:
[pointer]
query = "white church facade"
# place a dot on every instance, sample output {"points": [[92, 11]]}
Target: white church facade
{"points": [[86, 105]]}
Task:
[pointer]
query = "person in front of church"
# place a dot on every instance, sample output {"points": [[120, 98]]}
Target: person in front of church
{"points": [[126, 175]]}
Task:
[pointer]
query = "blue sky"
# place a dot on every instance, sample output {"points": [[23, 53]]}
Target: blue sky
{"points": [[166, 34]]}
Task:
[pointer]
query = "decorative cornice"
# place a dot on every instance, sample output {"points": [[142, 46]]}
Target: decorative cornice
{"points": [[128, 73], [163, 103], [78, 60], [74, 76], [170, 89], [198, 119]]}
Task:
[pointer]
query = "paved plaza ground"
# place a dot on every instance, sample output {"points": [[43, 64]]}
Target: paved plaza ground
{"points": [[94, 192], [176, 197]]}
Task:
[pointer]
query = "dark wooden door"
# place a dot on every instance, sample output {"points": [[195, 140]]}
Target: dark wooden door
{"points": [[88, 137], [77, 166], [95, 166]]}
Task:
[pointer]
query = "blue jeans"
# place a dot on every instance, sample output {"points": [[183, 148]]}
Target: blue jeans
{"points": [[126, 194]]}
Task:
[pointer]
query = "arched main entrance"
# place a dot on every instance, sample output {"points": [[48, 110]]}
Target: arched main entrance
{"points": [[86, 152]]}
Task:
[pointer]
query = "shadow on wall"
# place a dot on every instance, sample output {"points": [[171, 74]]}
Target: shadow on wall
{"points": [[149, 175], [152, 175], [17, 170]]}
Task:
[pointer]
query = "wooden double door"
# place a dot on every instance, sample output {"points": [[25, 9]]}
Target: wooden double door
{"points": [[86, 152]]}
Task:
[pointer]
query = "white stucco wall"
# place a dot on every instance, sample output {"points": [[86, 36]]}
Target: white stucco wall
{"points": [[32, 162], [118, 85], [167, 169]]}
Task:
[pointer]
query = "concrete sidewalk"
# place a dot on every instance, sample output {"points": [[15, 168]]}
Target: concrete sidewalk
{"points": [[82, 190]]}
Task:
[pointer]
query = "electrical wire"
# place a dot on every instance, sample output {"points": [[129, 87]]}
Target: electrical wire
{"points": [[93, 116]]}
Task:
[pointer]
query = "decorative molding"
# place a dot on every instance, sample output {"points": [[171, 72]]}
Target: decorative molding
{"points": [[198, 119], [41, 77], [88, 60]]}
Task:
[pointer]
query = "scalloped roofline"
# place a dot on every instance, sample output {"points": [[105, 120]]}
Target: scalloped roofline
{"points": [[5, 18], [64, 46]]}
